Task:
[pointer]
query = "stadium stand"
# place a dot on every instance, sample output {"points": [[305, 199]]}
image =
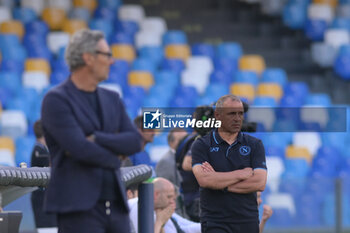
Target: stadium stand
{"points": [[284, 57]]}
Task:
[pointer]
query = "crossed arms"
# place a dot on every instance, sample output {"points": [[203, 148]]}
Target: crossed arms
{"points": [[239, 181]]}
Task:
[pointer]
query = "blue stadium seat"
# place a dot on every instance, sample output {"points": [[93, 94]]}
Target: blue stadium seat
{"points": [[203, 49], [181, 102], [187, 92], [105, 13], [277, 139], [315, 29], [206, 100], [342, 66], [264, 101], [12, 66], [297, 89], [167, 78], [132, 105], [176, 65], [226, 64], [217, 90], [103, 25], [246, 77], [37, 27], [130, 27], [295, 15], [342, 23], [135, 92], [161, 91], [229, 49], [112, 4], [293, 186], [174, 37], [328, 210], [24, 14], [220, 77], [59, 65], [291, 101], [321, 99], [122, 38], [40, 52], [11, 81], [295, 168], [5, 96], [161, 139], [275, 75], [281, 218], [24, 147], [308, 217], [285, 125], [80, 13], [58, 77], [155, 53], [275, 151], [155, 102], [120, 66], [309, 126], [143, 64]]}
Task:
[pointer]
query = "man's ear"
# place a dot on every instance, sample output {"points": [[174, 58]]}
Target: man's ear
{"points": [[88, 58]]}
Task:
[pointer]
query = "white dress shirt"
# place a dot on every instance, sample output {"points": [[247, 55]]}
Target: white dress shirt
{"points": [[186, 225]]}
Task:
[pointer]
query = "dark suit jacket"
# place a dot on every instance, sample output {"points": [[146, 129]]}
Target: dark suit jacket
{"points": [[76, 163]]}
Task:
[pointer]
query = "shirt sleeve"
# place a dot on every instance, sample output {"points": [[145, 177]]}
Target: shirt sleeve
{"points": [[199, 152], [186, 225], [258, 158]]}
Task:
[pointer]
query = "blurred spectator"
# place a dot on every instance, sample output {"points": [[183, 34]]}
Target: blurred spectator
{"points": [[143, 157], [40, 158], [166, 167], [267, 212], [166, 220]]}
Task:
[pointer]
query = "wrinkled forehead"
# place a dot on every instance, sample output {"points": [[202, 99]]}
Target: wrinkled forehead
{"points": [[232, 106]]}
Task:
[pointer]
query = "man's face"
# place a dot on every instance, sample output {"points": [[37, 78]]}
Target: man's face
{"points": [[102, 61], [231, 116], [177, 138], [165, 197], [147, 135]]}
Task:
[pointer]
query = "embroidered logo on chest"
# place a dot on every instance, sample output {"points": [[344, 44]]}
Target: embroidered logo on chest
{"points": [[244, 150], [214, 149]]}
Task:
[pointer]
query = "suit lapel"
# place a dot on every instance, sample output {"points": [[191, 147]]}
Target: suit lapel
{"points": [[78, 98], [103, 107]]}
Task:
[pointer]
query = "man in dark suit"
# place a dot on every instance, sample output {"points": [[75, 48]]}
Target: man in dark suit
{"points": [[86, 127]]}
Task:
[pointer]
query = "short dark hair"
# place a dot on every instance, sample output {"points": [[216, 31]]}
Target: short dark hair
{"points": [[171, 137], [38, 129], [138, 121]]}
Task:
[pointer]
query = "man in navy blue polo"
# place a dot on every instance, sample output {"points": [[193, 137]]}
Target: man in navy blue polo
{"points": [[230, 168]]}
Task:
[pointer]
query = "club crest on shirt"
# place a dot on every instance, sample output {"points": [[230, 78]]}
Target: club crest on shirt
{"points": [[244, 150]]}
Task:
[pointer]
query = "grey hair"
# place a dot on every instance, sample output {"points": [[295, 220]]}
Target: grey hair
{"points": [[83, 41], [221, 101]]}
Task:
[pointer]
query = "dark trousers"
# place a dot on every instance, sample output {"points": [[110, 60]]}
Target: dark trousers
{"points": [[41, 218], [105, 217], [221, 227]]}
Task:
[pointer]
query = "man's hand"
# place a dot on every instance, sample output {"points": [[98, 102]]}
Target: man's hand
{"points": [[91, 138], [266, 213], [245, 173], [207, 167], [163, 215]]}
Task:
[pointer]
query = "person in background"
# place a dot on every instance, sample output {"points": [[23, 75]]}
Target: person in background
{"points": [[166, 221], [267, 213], [40, 158], [86, 127], [143, 157], [166, 166]]}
